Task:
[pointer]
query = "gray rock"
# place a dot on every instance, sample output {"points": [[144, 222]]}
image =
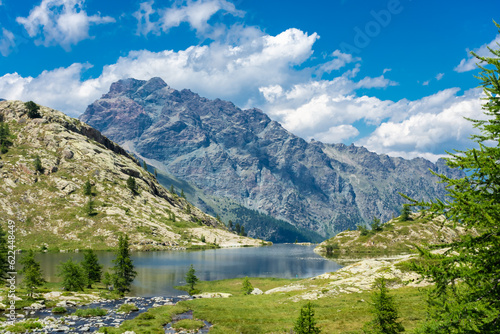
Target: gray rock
{"points": [[244, 157], [256, 291], [67, 154]]}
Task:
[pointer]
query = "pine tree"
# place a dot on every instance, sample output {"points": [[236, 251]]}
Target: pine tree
{"points": [[376, 225], [73, 276], [89, 206], [123, 269], [237, 228], [172, 189], [156, 173], [4, 264], [131, 184], [91, 267], [191, 278], [242, 231], [87, 188], [384, 310], [306, 324], [5, 135], [230, 225], [465, 297], [247, 286], [37, 164], [33, 109], [32, 273], [182, 194], [405, 213]]}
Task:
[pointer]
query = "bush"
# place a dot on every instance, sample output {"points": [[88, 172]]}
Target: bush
{"points": [[306, 324], [90, 312], [37, 164], [33, 109], [24, 326], [127, 308], [59, 310]]}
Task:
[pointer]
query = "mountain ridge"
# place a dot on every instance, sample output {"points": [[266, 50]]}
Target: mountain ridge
{"points": [[247, 157], [48, 204]]}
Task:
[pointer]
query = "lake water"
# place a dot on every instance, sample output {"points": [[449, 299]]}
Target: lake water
{"points": [[159, 272]]}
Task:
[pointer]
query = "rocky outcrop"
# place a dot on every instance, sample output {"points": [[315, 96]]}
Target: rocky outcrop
{"points": [[244, 156]]}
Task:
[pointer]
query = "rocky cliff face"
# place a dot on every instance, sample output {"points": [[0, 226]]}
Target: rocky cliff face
{"points": [[48, 205], [245, 156]]}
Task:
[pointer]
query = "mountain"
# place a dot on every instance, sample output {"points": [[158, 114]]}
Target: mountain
{"points": [[47, 202], [242, 160]]}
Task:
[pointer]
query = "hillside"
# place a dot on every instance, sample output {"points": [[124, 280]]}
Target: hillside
{"points": [[242, 157], [396, 237], [49, 206]]}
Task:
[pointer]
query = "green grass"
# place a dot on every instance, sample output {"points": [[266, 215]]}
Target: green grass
{"points": [[90, 312], [59, 309], [127, 308], [150, 322], [188, 324], [24, 326]]}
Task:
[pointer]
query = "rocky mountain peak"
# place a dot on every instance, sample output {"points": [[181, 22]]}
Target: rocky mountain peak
{"points": [[244, 157]]}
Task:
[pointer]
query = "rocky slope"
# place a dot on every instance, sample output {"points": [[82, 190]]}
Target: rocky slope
{"points": [[245, 157], [48, 206], [397, 237]]}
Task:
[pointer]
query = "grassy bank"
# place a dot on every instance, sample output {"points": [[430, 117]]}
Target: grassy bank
{"points": [[277, 312]]}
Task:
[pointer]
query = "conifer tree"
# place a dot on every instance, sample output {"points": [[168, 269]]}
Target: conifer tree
{"points": [[237, 228], [247, 286], [306, 324], [191, 278], [33, 109], [405, 213], [91, 267], [4, 249], [32, 273], [384, 310], [87, 188], [123, 269], [230, 225], [465, 298], [73, 276], [131, 184], [37, 164]]}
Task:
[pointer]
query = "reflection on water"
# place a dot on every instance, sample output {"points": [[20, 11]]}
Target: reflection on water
{"points": [[159, 272]]}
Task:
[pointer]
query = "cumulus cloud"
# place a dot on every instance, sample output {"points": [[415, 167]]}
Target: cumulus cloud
{"points": [[434, 123], [469, 63], [337, 134], [339, 60], [215, 70], [60, 22], [7, 42], [195, 13], [439, 76]]}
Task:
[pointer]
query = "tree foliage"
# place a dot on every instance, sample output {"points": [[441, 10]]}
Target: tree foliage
{"points": [[191, 278], [246, 286], [405, 213], [123, 269], [5, 137], [87, 188], [37, 164], [384, 310], [466, 296], [73, 276], [306, 324], [4, 249], [132, 184], [91, 267], [32, 272], [33, 109]]}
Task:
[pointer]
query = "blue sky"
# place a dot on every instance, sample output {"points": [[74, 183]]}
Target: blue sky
{"points": [[393, 75]]}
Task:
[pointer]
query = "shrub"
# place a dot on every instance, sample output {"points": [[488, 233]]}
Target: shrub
{"points": [[33, 109], [247, 286], [145, 316], [59, 309], [90, 312], [127, 308]]}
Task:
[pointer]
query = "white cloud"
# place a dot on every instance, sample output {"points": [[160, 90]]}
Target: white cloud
{"points": [[433, 123], [195, 13], [426, 83], [386, 70], [439, 76], [340, 60], [469, 63], [7, 42], [62, 22], [337, 134]]}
